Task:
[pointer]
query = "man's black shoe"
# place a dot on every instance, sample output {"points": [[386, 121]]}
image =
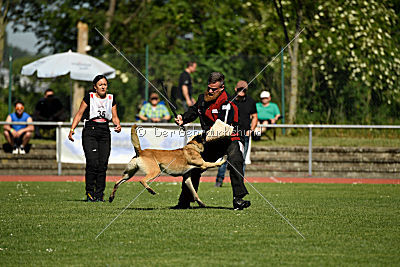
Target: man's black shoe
{"points": [[181, 206], [239, 204]]}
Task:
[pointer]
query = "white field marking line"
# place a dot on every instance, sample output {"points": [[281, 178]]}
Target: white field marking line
{"points": [[153, 180], [130, 63], [294, 38], [274, 179], [266, 200]]}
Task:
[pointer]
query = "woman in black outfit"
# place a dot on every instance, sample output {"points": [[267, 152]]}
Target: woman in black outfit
{"points": [[97, 109]]}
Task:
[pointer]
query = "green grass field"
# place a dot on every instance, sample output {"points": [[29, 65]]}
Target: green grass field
{"points": [[44, 223]]}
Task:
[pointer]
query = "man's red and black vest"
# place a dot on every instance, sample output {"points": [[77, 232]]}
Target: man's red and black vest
{"points": [[209, 112]]}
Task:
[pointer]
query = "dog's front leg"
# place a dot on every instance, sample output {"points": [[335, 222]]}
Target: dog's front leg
{"points": [[189, 184], [206, 165], [199, 162]]}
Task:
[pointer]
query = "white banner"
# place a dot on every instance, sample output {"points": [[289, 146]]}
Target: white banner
{"points": [[121, 147]]}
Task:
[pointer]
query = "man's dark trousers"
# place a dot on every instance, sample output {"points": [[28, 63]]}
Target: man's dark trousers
{"points": [[212, 152], [96, 141]]}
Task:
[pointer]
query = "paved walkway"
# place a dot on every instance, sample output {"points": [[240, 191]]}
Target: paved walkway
{"points": [[318, 180]]}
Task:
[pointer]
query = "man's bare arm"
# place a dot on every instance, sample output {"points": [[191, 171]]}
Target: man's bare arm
{"points": [[185, 92], [7, 127]]}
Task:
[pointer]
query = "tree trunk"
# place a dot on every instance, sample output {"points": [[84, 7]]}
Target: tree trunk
{"points": [[314, 81], [110, 16], [294, 66], [2, 39], [3, 24], [293, 52], [368, 117], [79, 91], [294, 69]]}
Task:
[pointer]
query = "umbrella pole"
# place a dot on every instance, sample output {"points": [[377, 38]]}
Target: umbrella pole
{"points": [[70, 100]]}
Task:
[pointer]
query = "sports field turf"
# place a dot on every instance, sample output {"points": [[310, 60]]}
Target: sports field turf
{"points": [[47, 223]]}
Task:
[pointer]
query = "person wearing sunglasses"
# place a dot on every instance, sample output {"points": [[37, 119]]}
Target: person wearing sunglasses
{"points": [[154, 111], [212, 105], [18, 136], [247, 123]]}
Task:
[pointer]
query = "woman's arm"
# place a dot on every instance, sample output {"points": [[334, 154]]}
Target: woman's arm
{"points": [[76, 120], [115, 119]]}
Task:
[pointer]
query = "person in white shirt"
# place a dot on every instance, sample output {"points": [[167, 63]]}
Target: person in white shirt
{"points": [[97, 109]]}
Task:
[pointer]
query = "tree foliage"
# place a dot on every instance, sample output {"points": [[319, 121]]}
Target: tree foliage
{"points": [[352, 42], [348, 60]]}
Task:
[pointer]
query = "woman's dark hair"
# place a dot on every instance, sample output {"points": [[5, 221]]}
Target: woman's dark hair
{"points": [[216, 77], [98, 78]]}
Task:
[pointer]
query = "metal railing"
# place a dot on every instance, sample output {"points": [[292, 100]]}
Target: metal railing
{"points": [[310, 127]]}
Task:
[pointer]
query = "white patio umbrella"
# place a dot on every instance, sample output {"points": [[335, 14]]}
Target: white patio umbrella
{"points": [[81, 67]]}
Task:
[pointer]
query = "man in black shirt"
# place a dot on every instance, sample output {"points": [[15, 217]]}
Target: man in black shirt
{"points": [[48, 108], [185, 88], [247, 123]]}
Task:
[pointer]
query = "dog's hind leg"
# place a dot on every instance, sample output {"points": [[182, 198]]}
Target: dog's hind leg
{"points": [[117, 184], [130, 170], [189, 184], [150, 176]]}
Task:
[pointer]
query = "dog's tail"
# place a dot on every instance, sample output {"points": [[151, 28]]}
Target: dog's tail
{"points": [[135, 140]]}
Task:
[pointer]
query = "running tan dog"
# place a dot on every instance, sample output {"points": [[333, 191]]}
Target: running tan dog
{"points": [[173, 162]]}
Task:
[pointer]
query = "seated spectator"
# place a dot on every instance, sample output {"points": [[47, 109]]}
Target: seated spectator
{"points": [[154, 111], [18, 136], [49, 108], [268, 113]]}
